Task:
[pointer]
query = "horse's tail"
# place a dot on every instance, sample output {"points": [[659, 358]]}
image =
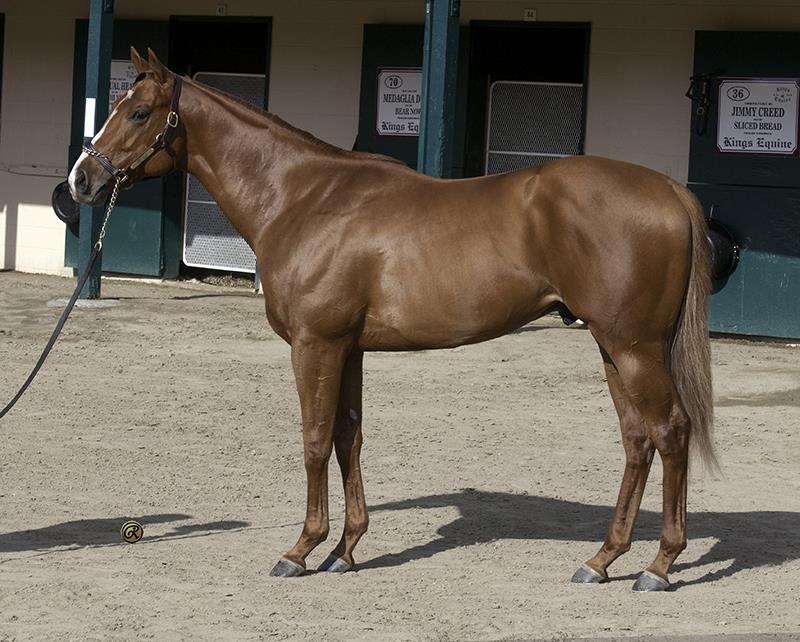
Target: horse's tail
{"points": [[690, 355]]}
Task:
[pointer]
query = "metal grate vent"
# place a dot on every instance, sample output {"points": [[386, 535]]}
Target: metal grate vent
{"points": [[531, 123], [209, 240]]}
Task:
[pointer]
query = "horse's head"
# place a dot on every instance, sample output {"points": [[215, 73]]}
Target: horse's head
{"points": [[140, 139]]}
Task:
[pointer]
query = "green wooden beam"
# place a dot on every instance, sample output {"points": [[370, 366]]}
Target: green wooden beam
{"points": [[439, 73], [98, 72]]}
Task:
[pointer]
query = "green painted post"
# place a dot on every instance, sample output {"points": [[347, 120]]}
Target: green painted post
{"points": [[98, 72], [439, 73]]}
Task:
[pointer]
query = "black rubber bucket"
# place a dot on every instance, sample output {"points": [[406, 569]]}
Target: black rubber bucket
{"points": [[66, 209], [724, 249]]}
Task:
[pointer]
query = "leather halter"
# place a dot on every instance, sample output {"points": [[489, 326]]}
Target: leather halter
{"points": [[162, 141]]}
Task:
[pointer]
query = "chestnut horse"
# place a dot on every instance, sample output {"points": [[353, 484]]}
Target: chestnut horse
{"points": [[358, 252]]}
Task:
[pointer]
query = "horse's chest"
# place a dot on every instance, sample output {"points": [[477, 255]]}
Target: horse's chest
{"points": [[277, 316]]}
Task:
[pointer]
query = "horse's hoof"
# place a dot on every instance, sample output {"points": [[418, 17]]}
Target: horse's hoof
{"points": [[587, 575], [287, 568], [334, 564], [648, 582]]}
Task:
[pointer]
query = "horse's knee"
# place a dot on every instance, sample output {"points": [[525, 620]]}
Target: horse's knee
{"points": [[316, 457]]}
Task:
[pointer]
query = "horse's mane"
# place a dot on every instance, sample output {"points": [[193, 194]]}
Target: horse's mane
{"points": [[301, 133]]}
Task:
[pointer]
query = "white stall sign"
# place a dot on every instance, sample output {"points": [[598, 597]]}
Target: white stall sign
{"points": [[758, 116], [123, 74], [399, 102]]}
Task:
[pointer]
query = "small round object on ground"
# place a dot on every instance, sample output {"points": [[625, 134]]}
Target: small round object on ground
{"points": [[131, 531]]}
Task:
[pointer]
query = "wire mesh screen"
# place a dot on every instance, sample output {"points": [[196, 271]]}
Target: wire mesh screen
{"points": [[531, 123], [209, 240]]}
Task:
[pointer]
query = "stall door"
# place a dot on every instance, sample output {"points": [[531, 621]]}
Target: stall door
{"points": [[532, 123], [391, 80], [135, 240], [744, 167]]}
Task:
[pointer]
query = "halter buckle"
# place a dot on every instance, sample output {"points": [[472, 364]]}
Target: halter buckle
{"points": [[172, 119]]}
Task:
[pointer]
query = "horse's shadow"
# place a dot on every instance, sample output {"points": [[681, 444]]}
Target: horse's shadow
{"points": [[745, 540], [105, 532]]}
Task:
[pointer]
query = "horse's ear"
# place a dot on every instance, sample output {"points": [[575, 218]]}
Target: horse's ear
{"points": [[139, 63], [161, 72]]}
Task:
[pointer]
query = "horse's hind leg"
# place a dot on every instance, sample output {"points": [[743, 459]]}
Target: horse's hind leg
{"points": [[639, 451], [649, 386], [318, 368], [347, 441]]}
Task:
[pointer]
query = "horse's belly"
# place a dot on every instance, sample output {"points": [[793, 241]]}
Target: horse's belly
{"points": [[437, 314]]}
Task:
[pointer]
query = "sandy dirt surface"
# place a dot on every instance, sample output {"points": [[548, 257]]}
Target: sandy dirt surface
{"points": [[490, 471]]}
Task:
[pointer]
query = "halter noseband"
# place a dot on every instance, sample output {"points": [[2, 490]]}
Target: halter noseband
{"points": [[162, 141]]}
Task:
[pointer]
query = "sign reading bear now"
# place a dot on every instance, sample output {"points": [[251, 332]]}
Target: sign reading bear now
{"points": [[399, 102]]}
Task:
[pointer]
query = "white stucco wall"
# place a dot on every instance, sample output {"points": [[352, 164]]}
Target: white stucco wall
{"points": [[640, 61], [34, 133]]}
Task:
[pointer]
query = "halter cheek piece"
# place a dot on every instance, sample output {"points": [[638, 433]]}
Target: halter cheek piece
{"points": [[162, 141]]}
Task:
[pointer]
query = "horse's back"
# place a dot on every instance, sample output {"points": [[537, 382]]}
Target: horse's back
{"points": [[437, 263]]}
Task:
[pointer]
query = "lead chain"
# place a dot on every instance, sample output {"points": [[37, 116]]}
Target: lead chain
{"points": [[111, 202]]}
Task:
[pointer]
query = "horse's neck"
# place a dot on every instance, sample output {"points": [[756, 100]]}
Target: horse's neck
{"points": [[241, 157]]}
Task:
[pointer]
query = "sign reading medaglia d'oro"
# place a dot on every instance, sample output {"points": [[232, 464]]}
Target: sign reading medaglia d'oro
{"points": [[758, 116], [399, 102]]}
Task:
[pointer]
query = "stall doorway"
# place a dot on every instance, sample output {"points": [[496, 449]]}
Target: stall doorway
{"points": [[230, 54], [527, 94]]}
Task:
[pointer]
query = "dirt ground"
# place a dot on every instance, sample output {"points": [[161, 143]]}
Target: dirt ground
{"points": [[490, 471]]}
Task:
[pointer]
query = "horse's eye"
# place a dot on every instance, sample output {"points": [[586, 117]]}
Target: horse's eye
{"points": [[140, 115]]}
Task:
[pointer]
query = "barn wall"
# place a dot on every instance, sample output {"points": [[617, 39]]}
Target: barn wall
{"points": [[34, 132], [640, 61]]}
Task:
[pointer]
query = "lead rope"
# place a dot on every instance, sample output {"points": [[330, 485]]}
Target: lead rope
{"points": [[73, 299]]}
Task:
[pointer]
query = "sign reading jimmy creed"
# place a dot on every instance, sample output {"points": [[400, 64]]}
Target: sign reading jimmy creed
{"points": [[758, 116], [399, 102]]}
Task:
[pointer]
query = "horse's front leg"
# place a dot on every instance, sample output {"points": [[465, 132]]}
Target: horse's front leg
{"points": [[347, 441], [317, 367]]}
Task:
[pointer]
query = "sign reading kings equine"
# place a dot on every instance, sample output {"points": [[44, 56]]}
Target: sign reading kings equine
{"points": [[758, 116], [399, 102]]}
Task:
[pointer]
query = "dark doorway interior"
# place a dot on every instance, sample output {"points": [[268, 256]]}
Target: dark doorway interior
{"points": [[229, 45], [540, 52]]}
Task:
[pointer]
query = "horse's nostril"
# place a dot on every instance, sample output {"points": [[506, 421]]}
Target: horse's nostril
{"points": [[81, 182]]}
